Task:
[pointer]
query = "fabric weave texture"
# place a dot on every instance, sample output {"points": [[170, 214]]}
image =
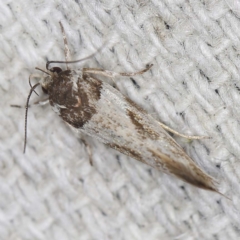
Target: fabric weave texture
{"points": [[52, 192]]}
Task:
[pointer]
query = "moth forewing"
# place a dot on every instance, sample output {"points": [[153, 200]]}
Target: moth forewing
{"points": [[122, 125]]}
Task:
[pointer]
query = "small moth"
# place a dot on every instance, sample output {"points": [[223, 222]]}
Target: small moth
{"points": [[93, 107]]}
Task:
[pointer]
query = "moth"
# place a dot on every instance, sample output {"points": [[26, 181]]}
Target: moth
{"points": [[95, 108]]}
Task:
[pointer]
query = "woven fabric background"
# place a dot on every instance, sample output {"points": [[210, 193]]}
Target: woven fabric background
{"points": [[52, 192]]}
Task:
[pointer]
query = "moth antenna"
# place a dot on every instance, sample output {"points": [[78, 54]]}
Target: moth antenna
{"points": [[29, 81], [26, 112], [80, 60], [42, 70], [66, 47]]}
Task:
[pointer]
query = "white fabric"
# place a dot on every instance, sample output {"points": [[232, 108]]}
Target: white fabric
{"points": [[52, 192]]}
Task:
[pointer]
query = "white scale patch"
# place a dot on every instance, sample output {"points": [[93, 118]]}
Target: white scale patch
{"points": [[56, 108], [74, 79]]}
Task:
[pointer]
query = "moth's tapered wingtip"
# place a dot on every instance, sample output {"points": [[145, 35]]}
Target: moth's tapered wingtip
{"points": [[225, 196], [209, 184], [215, 188]]}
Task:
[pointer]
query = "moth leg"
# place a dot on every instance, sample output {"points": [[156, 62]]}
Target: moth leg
{"points": [[179, 134], [41, 102], [33, 75], [89, 150], [66, 47], [111, 74]]}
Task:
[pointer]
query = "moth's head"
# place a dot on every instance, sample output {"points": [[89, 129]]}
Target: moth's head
{"points": [[46, 81]]}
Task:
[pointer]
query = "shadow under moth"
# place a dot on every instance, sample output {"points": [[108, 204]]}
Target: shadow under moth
{"points": [[93, 107]]}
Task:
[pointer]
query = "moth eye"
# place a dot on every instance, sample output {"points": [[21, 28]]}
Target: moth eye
{"points": [[56, 69], [45, 90]]}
